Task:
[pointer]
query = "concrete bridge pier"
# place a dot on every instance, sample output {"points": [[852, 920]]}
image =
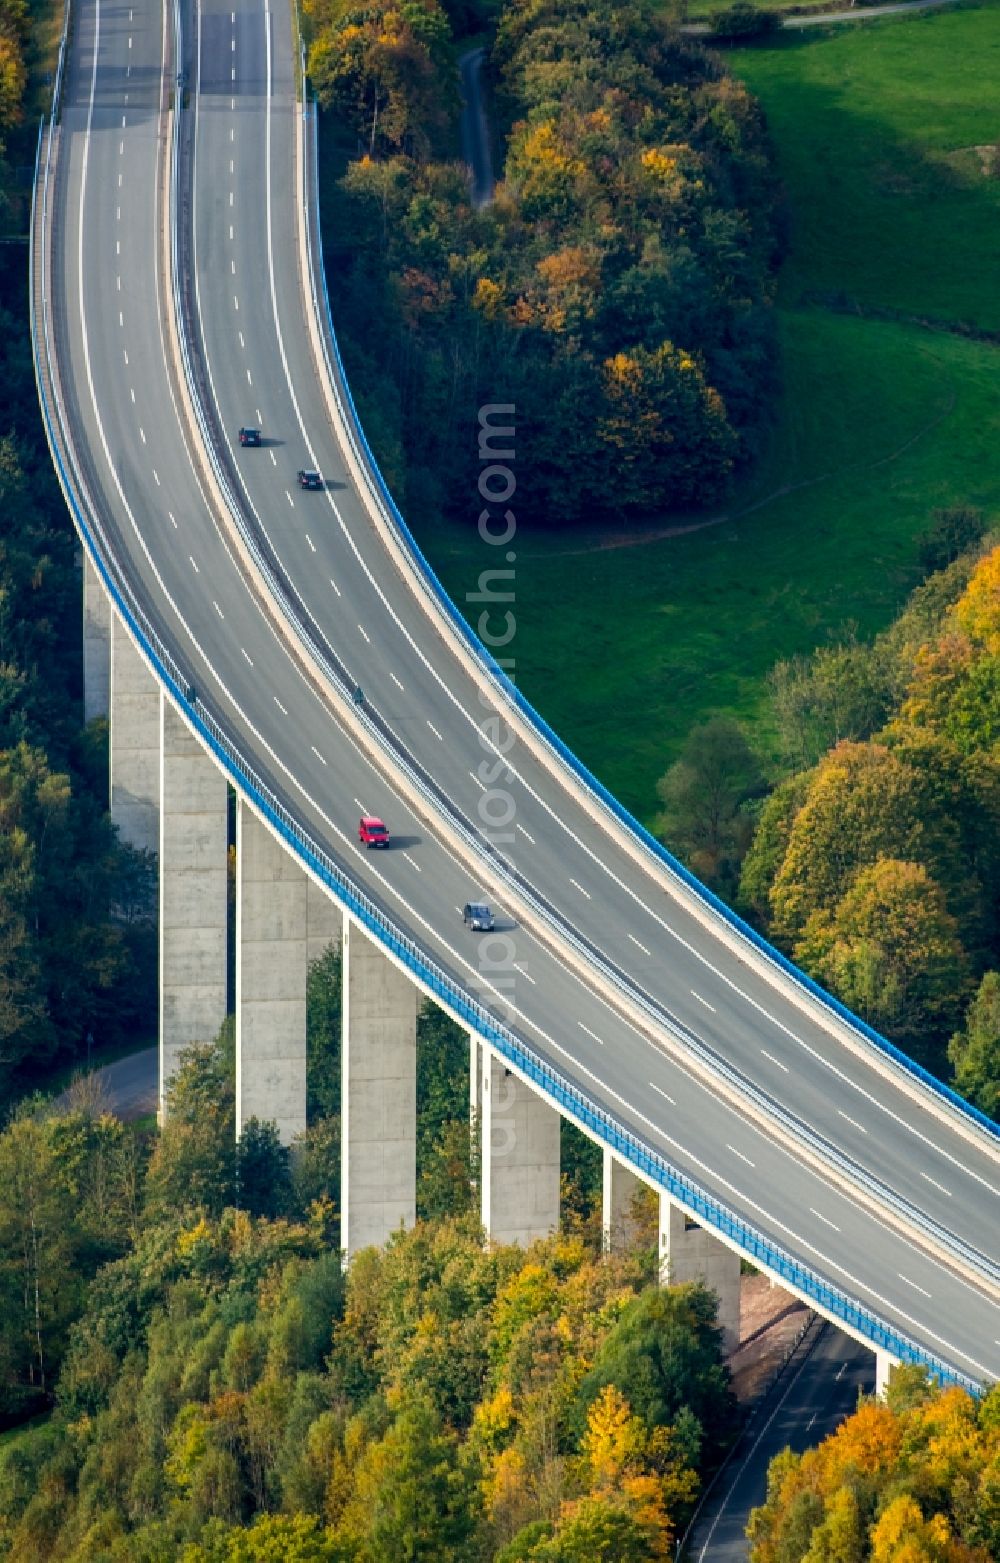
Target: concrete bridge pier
{"points": [[689, 1252], [324, 922], [620, 1187], [193, 898], [883, 1367], [135, 743], [378, 1184], [271, 952], [96, 644], [520, 1157]]}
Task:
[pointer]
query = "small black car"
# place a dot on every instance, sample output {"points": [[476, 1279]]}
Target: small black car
{"points": [[308, 478], [249, 436]]}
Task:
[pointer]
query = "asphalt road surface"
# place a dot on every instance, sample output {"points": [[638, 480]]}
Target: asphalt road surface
{"points": [[615, 970], [819, 1388]]}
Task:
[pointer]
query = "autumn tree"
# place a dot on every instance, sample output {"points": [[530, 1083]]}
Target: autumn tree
{"points": [[704, 794], [974, 1052]]}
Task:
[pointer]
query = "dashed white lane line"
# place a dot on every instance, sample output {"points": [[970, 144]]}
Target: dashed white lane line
{"points": [[173, 519], [480, 784], [232, 137], [309, 540], [232, 268], [156, 477], [119, 280], [638, 946], [123, 121], [525, 974], [274, 459], [935, 1184], [249, 380], [661, 1092], [242, 343], [434, 730], [230, 233], [707, 1005], [233, 78], [365, 633], [290, 499], [590, 1033], [230, 198], [820, 1217], [395, 680], [131, 392], [142, 434], [316, 753], [121, 318], [525, 834], [218, 610], [852, 1121], [771, 1058], [335, 586], [120, 177], [361, 805], [118, 246], [125, 355], [121, 148], [412, 864], [739, 1154], [581, 889], [193, 565], [236, 302], [921, 1289], [247, 655], [281, 708]]}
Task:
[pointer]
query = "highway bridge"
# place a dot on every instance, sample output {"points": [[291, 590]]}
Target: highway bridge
{"points": [[229, 618]]}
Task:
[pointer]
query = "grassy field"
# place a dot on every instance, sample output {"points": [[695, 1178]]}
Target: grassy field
{"points": [[624, 648]]}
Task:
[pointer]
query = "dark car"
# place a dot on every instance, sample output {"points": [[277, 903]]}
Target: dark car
{"points": [[309, 478], [477, 916], [249, 436]]}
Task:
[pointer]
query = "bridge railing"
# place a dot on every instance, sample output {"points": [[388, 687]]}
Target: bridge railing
{"points": [[434, 980], [505, 686]]}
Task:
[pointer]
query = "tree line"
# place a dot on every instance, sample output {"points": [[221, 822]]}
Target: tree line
{"points": [[616, 290], [874, 861], [221, 1390]]}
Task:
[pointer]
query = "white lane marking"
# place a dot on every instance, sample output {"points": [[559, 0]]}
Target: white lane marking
{"points": [[395, 680], [335, 586], [361, 805], [242, 343], [232, 105], [230, 233], [935, 1184], [581, 889], [365, 633], [773, 1060], [820, 1217], [739, 1154], [480, 784], [290, 499], [922, 1289], [259, 418], [236, 303], [434, 730], [852, 1121], [193, 565], [173, 518], [247, 655], [281, 708], [233, 74], [841, 1371], [525, 974], [811, 1420], [121, 318], [525, 833], [661, 1092], [232, 264], [118, 214], [707, 1005], [232, 137], [156, 476], [230, 198], [309, 540], [131, 392], [233, 46], [121, 149], [123, 121], [120, 177], [411, 862], [142, 434], [638, 946], [274, 459], [316, 753], [232, 169], [218, 610], [249, 381], [590, 1033], [125, 354], [119, 282], [118, 246]]}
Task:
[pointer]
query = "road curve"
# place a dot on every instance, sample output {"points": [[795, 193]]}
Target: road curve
{"points": [[623, 980]]}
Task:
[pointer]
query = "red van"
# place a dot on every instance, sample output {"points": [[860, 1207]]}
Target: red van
{"points": [[372, 832]]}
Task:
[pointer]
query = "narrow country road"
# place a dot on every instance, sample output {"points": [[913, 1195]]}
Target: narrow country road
{"points": [[861, 13], [818, 1388], [475, 130], [128, 1086]]}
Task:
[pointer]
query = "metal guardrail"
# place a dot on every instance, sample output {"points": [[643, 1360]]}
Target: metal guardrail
{"points": [[509, 690], [432, 978]]}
